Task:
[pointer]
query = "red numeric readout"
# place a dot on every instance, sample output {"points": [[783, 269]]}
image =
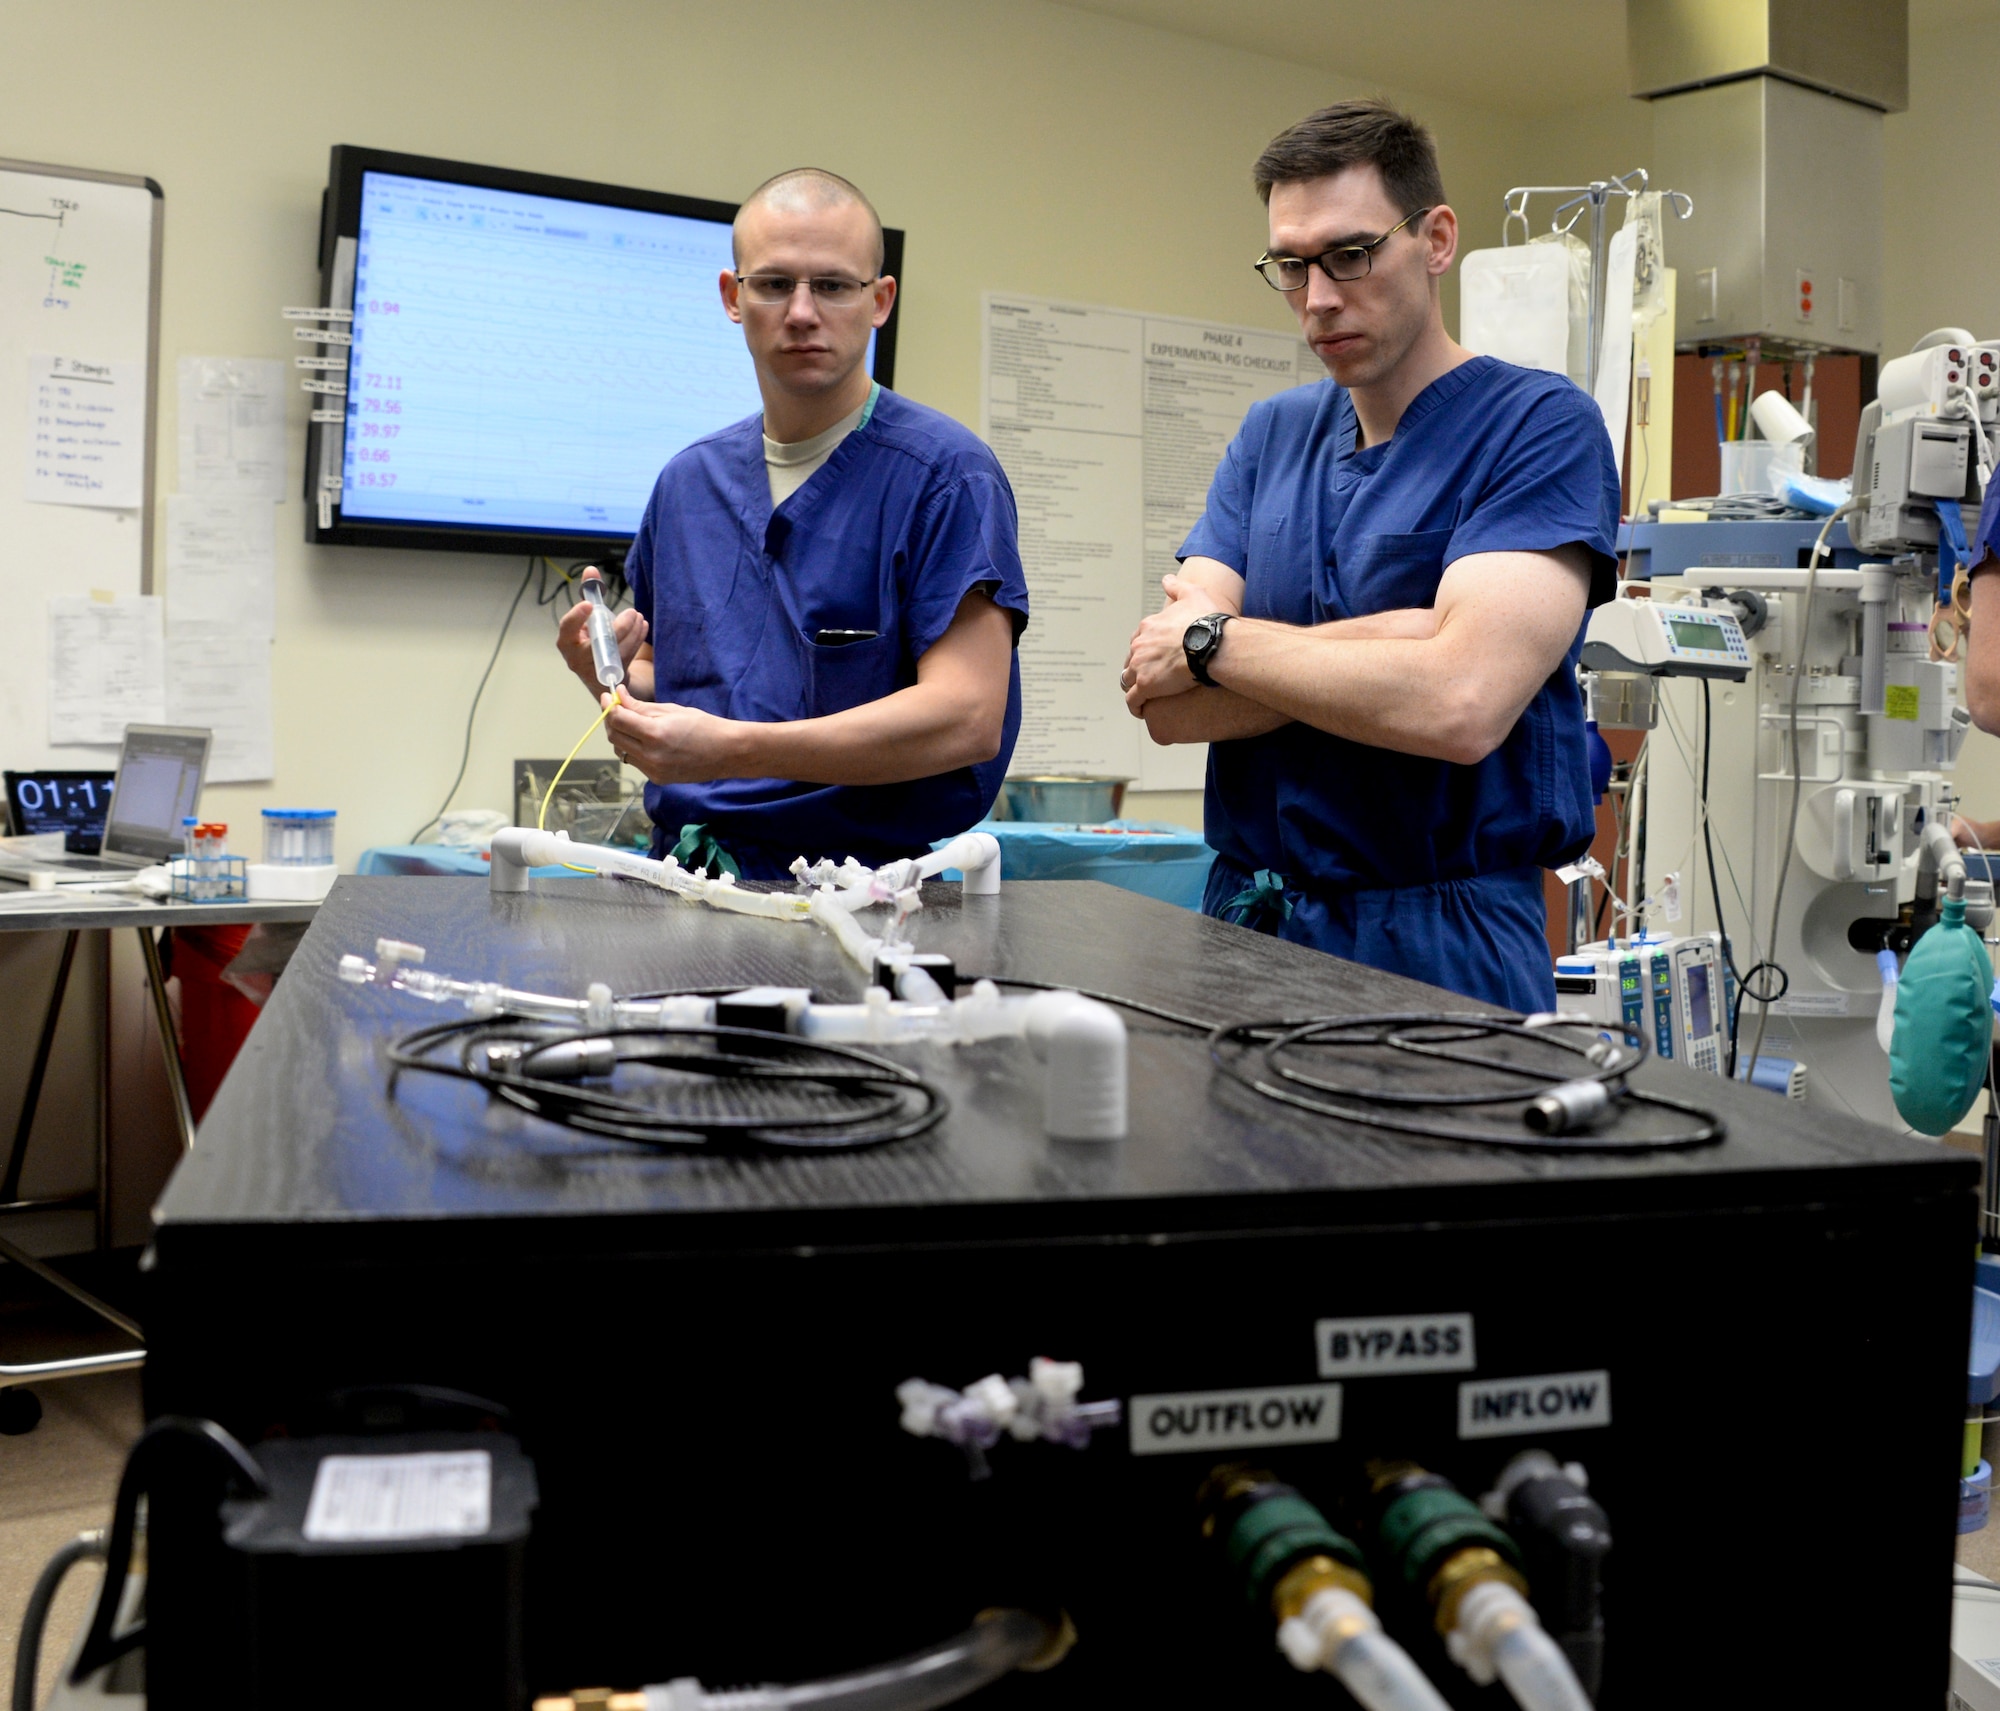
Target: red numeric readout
{"points": [[373, 383]]}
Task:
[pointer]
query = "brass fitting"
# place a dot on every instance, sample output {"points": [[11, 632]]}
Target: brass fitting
{"points": [[1313, 1575], [1226, 1483], [1457, 1575], [592, 1699]]}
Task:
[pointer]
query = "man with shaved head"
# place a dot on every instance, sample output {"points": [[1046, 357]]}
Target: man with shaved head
{"points": [[826, 596]]}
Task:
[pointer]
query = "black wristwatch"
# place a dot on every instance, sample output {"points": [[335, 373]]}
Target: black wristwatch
{"points": [[1199, 642]]}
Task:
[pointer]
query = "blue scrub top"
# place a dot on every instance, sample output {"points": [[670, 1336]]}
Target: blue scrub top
{"points": [[1487, 458], [908, 515], [1986, 538]]}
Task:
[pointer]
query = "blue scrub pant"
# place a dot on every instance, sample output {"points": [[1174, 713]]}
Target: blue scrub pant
{"points": [[1485, 937]]}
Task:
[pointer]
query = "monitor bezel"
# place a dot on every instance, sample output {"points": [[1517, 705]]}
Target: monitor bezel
{"points": [[340, 216]]}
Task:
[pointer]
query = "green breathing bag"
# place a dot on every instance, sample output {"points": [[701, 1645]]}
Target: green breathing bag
{"points": [[1944, 1024]]}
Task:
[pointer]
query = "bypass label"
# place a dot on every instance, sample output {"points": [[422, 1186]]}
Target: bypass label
{"points": [[1235, 1419], [1376, 1348], [1555, 1402]]}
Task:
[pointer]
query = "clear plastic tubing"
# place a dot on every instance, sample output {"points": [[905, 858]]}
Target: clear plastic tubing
{"points": [[604, 654], [1536, 1672], [1382, 1676], [298, 837], [939, 1675]]}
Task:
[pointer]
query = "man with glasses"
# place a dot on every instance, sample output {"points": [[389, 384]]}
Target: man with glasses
{"points": [[1377, 619], [826, 597]]}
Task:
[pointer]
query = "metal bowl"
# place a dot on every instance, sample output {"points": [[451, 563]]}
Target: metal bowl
{"points": [[1069, 800]]}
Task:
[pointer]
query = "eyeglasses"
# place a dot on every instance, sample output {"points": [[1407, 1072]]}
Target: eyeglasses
{"points": [[1350, 261], [830, 290]]}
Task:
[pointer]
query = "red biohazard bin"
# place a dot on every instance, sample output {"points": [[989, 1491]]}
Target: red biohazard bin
{"points": [[215, 1017]]}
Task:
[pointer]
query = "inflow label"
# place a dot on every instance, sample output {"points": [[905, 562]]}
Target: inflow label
{"points": [[1234, 1419], [1554, 1402], [1373, 1348]]}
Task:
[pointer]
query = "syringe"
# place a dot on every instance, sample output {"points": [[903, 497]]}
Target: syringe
{"points": [[603, 633]]}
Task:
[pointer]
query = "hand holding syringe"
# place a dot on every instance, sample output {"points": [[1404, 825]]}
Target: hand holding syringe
{"points": [[603, 632], [596, 643]]}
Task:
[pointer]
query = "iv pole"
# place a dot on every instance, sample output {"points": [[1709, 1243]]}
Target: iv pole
{"points": [[1593, 198]]}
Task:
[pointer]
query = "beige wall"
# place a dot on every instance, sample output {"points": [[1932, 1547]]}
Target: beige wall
{"points": [[1023, 146]]}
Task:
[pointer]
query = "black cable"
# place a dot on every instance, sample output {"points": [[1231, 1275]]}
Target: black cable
{"points": [[873, 1101], [473, 711], [1249, 1053], [28, 1649]]}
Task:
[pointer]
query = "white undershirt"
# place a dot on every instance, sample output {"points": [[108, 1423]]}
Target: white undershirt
{"points": [[790, 467]]}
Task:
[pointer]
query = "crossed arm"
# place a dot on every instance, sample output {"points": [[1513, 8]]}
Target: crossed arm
{"points": [[952, 716], [1448, 681]]}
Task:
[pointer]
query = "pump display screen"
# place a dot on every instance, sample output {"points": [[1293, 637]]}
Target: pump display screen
{"points": [[1693, 633], [1701, 1021]]}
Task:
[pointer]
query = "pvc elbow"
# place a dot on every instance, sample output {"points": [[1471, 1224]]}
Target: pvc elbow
{"points": [[1083, 1043], [509, 871], [976, 855]]}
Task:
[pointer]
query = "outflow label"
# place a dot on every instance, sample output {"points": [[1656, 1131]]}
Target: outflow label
{"points": [[1234, 1419], [1554, 1402]]}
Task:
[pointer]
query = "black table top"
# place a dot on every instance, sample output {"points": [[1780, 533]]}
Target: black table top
{"points": [[305, 1132]]}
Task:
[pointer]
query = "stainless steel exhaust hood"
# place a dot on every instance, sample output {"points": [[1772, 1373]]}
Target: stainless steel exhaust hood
{"points": [[1769, 114]]}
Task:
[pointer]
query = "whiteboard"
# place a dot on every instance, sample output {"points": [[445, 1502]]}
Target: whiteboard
{"points": [[79, 278]]}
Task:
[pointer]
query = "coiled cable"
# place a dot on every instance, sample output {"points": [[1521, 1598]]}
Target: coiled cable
{"points": [[1255, 1054], [788, 1094]]}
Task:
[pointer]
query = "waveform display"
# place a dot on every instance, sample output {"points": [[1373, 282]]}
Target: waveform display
{"points": [[526, 361]]}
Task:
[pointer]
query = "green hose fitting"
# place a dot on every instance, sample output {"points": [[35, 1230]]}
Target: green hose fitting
{"points": [[1264, 1530], [1436, 1541]]}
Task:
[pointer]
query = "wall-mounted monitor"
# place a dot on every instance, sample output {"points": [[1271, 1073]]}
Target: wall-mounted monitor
{"points": [[527, 353]]}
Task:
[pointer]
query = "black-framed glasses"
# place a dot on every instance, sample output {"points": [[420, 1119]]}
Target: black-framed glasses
{"points": [[1349, 261], [831, 290]]}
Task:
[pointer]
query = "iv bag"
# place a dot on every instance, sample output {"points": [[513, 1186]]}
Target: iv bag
{"points": [[1514, 304], [1649, 271], [1578, 252]]}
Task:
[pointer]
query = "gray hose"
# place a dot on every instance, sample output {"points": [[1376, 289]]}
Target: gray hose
{"points": [[28, 1652], [995, 1645]]}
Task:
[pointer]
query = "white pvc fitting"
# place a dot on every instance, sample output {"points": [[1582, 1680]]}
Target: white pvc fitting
{"points": [[1778, 419], [1083, 1043], [510, 864], [975, 854]]}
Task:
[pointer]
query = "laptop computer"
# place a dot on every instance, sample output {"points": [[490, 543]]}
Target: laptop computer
{"points": [[160, 772], [54, 799]]}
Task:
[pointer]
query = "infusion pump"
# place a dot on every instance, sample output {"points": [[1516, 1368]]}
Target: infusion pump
{"points": [[1653, 639], [1672, 990]]}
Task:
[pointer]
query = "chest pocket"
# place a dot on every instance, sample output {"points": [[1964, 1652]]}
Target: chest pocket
{"points": [[847, 676], [1387, 573]]}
